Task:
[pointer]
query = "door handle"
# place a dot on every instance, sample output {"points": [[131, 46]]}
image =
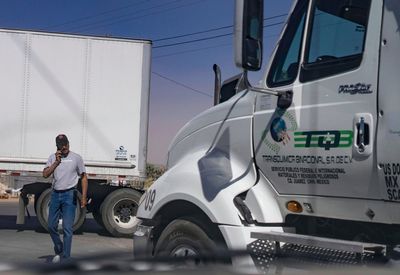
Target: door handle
{"points": [[363, 124], [361, 135]]}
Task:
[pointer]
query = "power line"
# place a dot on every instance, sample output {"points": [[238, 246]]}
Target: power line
{"points": [[207, 38], [193, 33], [84, 18], [98, 24], [88, 25], [189, 51], [183, 85], [211, 30], [192, 41], [202, 49], [197, 40]]}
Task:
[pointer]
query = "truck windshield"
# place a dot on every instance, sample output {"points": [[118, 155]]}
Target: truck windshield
{"points": [[286, 62]]}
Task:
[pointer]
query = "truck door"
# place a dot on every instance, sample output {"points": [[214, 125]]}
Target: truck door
{"points": [[388, 138], [323, 144]]}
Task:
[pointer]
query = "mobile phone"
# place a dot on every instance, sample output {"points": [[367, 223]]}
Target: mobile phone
{"points": [[59, 149]]}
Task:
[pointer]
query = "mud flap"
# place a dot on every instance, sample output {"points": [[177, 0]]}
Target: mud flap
{"points": [[22, 205], [21, 211]]}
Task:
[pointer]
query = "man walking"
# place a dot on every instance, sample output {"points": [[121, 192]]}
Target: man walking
{"points": [[67, 168]]}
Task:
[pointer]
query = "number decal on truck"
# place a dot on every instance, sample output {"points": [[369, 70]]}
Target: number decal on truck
{"points": [[149, 199]]}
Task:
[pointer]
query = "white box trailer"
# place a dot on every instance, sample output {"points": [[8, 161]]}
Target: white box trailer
{"points": [[93, 89]]}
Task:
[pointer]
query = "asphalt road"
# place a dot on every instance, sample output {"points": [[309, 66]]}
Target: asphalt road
{"points": [[21, 246], [30, 243]]}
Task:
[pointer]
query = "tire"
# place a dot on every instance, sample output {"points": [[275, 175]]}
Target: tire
{"points": [[118, 211], [183, 238], [42, 211]]}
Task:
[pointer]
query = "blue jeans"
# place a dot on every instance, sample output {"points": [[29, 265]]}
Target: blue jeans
{"points": [[62, 206]]}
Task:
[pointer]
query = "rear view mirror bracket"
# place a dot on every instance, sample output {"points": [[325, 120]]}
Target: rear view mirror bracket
{"points": [[285, 98]]}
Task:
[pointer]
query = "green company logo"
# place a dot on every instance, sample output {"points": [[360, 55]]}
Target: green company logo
{"points": [[323, 139]]}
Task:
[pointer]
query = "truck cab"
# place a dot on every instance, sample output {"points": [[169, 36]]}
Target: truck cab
{"points": [[313, 151]]}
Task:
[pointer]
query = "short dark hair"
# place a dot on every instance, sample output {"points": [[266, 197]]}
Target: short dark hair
{"points": [[61, 140]]}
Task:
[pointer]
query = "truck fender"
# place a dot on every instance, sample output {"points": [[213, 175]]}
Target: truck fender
{"points": [[262, 202], [36, 189], [186, 181], [22, 204]]}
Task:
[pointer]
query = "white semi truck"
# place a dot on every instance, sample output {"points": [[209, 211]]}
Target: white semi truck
{"points": [[311, 157], [96, 91]]}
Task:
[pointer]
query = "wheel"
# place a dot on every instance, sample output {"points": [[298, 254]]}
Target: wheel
{"points": [[183, 238], [118, 210], [42, 211]]}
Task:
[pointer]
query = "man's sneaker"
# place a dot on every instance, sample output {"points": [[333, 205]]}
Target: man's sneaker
{"points": [[56, 259]]}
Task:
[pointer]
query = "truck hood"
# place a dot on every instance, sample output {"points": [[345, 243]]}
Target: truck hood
{"points": [[242, 104]]}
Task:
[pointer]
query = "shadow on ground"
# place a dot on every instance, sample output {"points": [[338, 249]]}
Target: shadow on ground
{"points": [[8, 222], [47, 258]]}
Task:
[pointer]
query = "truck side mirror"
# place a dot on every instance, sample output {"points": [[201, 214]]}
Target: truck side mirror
{"points": [[249, 18]]}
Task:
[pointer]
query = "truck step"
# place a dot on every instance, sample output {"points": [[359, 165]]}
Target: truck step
{"points": [[327, 243], [277, 250]]}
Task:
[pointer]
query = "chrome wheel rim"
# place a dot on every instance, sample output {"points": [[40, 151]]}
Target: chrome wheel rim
{"points": [[184, 251], [123, 213]]}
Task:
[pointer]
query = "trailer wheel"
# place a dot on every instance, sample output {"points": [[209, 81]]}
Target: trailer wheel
{"points": [[118, 211], [42, 211], [182, 238]]}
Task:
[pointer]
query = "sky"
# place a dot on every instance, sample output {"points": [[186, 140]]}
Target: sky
{"points": [[189, 36]]}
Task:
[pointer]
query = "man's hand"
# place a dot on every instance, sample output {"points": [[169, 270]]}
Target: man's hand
{"points": [[83, 202], [84, 190], [47, 171], [58, 156]]}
